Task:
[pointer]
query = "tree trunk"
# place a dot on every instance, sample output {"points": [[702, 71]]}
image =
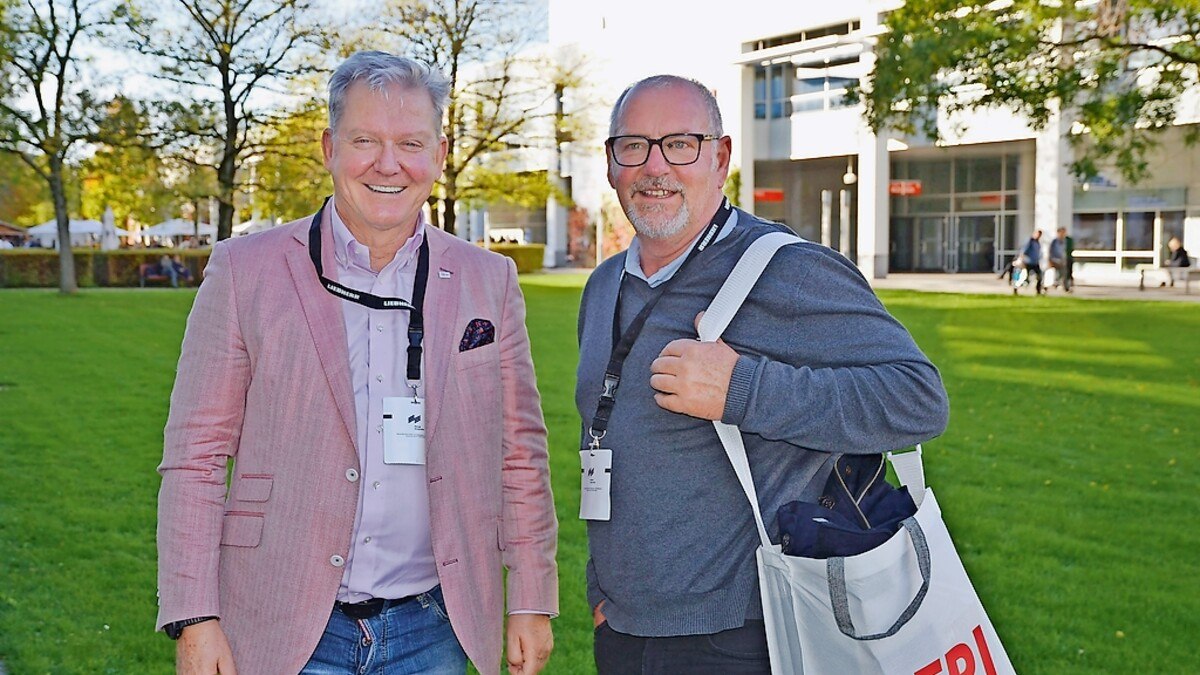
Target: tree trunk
{"points": [[67, 283], [448, 219], [226, 173], [434, 217]]}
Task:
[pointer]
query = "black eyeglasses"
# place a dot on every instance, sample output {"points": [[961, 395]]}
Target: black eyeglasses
{"points": [[677, 149]]}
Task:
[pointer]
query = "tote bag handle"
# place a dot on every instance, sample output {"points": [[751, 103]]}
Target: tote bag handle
{"points": [[908, 466]]}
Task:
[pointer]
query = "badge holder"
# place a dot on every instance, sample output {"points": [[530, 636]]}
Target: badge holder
{"points": [[595, 501]]}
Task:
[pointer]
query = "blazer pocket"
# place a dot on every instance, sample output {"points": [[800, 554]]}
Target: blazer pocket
{"points": [[489, 353], [253, 488], [242, 529]]}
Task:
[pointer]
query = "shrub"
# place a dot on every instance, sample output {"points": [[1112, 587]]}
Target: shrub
{"points": [[528, 257], [38, 268]]}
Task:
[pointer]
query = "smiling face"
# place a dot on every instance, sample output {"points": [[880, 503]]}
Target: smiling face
{"points": [[384, 157], [663, 200]]}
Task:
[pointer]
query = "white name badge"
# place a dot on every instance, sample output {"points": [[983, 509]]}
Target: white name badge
{"points": [[403, 430], [595, 501]]}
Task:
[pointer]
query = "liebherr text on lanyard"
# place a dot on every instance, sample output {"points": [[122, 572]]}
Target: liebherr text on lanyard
{"points": [[416, 320], [623, 342]]}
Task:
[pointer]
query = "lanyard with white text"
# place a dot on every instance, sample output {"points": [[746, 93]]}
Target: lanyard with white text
{"points": [[622, 343], [416, 320]]}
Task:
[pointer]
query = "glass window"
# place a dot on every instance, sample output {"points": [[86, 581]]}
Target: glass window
{"points": [[815, 102], [1095, 231], [1012, 164], [1129, 263], [978, 174], [760, 93], [928, 204], [841, 82], [1139, 230], [934, 176], [809, 85]]}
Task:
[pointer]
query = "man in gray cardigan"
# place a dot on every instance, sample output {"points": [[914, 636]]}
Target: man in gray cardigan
{"points": [[812, 366]]}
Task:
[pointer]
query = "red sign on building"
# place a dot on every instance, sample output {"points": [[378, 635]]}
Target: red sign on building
{"points": [[768, 195], [904, 188]]}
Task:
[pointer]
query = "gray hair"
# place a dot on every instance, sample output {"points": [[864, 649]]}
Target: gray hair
{"points": [[380, 69], [661, 82]]}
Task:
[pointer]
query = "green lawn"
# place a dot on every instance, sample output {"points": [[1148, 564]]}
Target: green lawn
{"points": [[1069, 474]]}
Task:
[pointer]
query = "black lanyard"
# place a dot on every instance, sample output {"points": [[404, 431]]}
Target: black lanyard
{"points": [[622, 343], [416, 320]]}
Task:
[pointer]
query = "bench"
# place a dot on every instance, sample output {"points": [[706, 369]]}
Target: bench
{"points": [[151, 272], [1184, 274]]}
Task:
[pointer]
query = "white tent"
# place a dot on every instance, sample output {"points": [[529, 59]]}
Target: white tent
{"points": [[252, 226], [178, 227], [83, 232]]}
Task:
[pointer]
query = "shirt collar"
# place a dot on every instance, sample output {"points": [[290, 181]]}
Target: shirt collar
{"points": [[347, 250], [633, 263]]}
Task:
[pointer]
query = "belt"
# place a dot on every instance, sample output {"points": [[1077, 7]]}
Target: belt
{"points": [[369, 608]]}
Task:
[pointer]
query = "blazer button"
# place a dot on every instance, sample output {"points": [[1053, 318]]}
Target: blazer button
{"points": [[337, 560], [827, 502], [352, 475]]}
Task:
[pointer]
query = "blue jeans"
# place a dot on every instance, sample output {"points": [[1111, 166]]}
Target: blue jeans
{"points": [[413, 637]]}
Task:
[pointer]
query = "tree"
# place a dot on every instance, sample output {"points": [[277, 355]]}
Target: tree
{"points": [[1116, 68], [124, 172], [238, 57], [294, 166], [22, 191], [46, 103], [501, 100]]}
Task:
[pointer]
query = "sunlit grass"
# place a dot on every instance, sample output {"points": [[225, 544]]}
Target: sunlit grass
{"points": [[1069, 474]]}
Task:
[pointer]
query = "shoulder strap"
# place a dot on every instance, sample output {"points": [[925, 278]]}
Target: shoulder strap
{"points": [[714, 322], [908, 466]]}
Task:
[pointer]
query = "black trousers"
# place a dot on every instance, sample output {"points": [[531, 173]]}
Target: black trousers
{"points": [[738, 651]]}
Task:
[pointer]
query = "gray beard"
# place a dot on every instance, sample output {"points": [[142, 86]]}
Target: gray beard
{"points": [[650, 227]]}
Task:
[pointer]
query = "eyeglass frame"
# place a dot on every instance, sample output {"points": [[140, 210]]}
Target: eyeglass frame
{"points": [[658, 141]]}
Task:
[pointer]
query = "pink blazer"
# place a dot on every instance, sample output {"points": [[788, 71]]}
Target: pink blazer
{"points": [[264, 379]]}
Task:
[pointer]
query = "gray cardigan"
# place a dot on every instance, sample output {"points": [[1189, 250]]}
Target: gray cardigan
{"points": [[823, 369]]}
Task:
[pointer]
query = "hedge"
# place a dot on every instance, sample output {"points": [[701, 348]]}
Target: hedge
{"points": [[528, 257], [38, 268]]}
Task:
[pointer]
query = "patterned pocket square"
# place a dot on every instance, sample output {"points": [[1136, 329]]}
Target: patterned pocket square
{"points": [[479, 332]]}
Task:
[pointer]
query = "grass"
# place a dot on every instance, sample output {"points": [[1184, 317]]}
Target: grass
{"points": [[1068, 475]]}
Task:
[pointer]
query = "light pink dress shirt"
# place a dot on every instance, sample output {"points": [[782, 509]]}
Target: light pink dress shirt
{"points": [[391, 554]]}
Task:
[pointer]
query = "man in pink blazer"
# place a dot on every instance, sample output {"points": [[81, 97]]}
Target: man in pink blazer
{"points": [[370, 379]]}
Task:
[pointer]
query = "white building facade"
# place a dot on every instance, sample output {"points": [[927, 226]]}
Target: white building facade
{"points": [[892, 203]]}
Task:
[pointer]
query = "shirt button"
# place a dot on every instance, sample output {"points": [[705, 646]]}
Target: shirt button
{"points": [[379, 327], [337, 560], [352, 475], [379, 378], [366, 540], [376, 485], [379, 429]]}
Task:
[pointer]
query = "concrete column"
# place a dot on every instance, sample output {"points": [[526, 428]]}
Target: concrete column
{"points": [[746, 152], [556, 232], [873, 217], [844, 223], [827, 218], [1054, 189]]}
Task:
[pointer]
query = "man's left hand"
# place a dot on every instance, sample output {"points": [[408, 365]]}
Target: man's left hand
{"points": [[529, 643], [693, 377]]}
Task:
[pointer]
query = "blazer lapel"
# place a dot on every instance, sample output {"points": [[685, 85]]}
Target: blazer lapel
{"points": [[441, 308], [323, 313]]}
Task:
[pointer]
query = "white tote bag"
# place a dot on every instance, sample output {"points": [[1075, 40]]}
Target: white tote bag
{"points": [[905, 607]]}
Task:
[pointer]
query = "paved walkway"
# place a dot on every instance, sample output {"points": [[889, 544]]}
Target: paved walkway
{"points": [[1109, 287]]}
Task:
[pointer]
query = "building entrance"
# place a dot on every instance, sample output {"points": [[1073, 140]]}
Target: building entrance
{"points": [[948, 243]]}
